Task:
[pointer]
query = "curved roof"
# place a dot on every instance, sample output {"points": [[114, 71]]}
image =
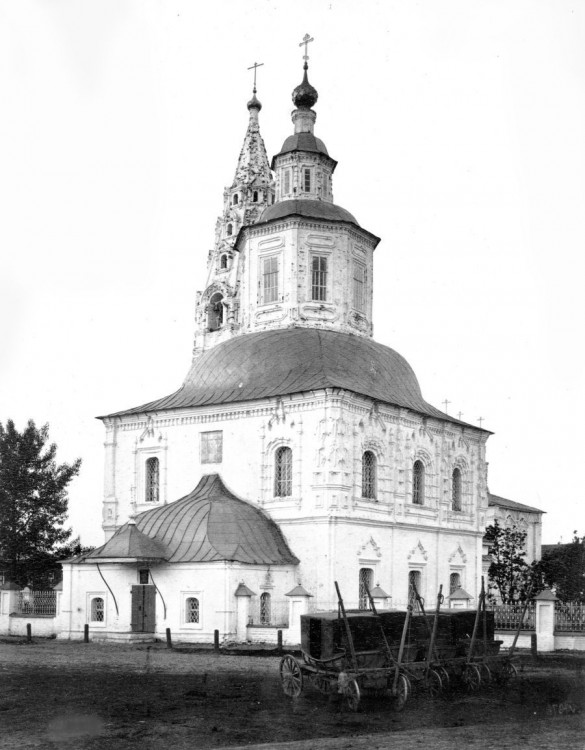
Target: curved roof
{"points": [[129, 542], [307, 208], [301, 359], [207, 525], [302, 142]]}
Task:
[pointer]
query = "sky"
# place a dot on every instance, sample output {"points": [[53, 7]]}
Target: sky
{"points": [[458, 127]]}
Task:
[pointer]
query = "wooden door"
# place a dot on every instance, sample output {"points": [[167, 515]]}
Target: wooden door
{"points": [[143, 609]]}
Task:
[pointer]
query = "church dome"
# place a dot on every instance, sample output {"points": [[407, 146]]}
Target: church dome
{"points": [[307, 208], [207, 525], [294, 360], [305, 95]]}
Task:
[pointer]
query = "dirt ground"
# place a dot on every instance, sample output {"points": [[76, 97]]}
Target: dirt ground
{"points": [[57, 694]]}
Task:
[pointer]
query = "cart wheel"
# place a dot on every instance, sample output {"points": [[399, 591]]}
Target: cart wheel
{"points": [[506, 672], [445, 679], [291, 676], [351, 692], [402, 693], [471, 677], [486, 673], [434, 683], [323, 684]]}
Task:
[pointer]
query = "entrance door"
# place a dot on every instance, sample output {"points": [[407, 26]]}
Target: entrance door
{"points": [[143, 609]]}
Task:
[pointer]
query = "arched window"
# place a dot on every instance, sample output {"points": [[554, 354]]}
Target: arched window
{"points": [[418, 483], [215, 312], [152, 481], [97, 609], [454, 582], [235, 199], [369, 475], [255, 197], [366, 582], [191, 610], [223, 261], [283, 472], [230, 229], [456, 489], [265, 609], [414, 585]]}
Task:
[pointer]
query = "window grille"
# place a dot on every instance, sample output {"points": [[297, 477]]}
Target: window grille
{"points": [[366, 580], [270, 281], [283, 472], [454, 582], [191, 610], [97, 609], [152, 480], [143, 576], [307, 180], [265, 609], [418, 483], [456, 490], [319, 278], [369, 475], [414, 583], [359, 283], [286, 188], [211, 447]]}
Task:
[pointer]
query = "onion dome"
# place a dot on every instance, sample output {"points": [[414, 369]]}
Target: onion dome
{"points": [[254, 103], [305, 95]]}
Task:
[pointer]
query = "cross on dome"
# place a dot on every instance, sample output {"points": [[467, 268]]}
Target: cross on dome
{"points": [[254, 103], [255, 66], [306, 41]]}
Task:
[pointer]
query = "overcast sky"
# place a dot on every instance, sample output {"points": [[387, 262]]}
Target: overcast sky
{"points": [[459, 131]]}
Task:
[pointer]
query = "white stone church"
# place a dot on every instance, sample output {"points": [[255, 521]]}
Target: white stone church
{"points": [[298, 451]]}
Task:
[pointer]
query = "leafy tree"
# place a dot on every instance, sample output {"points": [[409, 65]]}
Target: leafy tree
{"points": [[33, 499], [563, 567], [509, 574]]}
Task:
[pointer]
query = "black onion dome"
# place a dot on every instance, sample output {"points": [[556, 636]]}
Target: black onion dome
{"points": [[295, 360], [305, 95], [254, 103]]}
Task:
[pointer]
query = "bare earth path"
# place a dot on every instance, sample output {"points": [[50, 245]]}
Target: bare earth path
{"points": [[89, 696]]}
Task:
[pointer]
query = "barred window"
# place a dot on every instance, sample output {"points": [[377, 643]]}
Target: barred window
{"points": [[369, 475], [456, 490], [152, 480], [286, 187], [265, 609], [319, 279], [366, 581], [97, 609], [191, 610], [283, 472], [211, 447], [414, 585], [143, 576], [454, 582], [270, 279], [307, 180], [359, 283], [418, 483]]}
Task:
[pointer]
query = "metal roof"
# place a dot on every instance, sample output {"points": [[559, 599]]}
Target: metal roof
{"points": [[295, 360], [207, 525], [302, 142], [130, 543], [502, 502], [310, 209]]}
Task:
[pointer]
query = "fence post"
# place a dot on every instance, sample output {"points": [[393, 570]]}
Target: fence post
{"points": [[279, 643], [216, 640], [28, 632], [298, 600], [169, 642], [545, 620], [243, 595], [86, 633]]}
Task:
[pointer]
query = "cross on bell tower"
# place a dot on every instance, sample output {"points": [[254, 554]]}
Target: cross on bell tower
{"points": [[306, 41]]}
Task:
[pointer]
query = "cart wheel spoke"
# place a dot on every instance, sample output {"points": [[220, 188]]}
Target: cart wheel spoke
{"points": [[351, 692], [402, 692], [471, 677], [434, 683], [486, 673], [506, 672], [291, 676]]}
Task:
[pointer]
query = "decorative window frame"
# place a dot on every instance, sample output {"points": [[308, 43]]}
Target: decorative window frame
{"points": [[142, 454], [460, 570], [375, 498], [303, 169], [466, 505], [292, 459], [90, 596], [183, 614], [262, 258], [269, 467], [355, 264], [429, 500], [422, 589], [328, 255], [287, 175]]}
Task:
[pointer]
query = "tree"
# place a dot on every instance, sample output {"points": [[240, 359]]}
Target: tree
{"points": [[563, 567], [509, 573], [33, 499]]}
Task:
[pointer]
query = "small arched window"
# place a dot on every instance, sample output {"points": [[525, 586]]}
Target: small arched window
{"points": [[255, 196], [369, 475], [456, 489], [152, 480], [223, 262], [366, 582], [454, 582], [414, 586], [230, 229], [283, 472], [191, 610], [97, 609], [215, 312], [235, 199], [265, 614], [418, 483]]}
